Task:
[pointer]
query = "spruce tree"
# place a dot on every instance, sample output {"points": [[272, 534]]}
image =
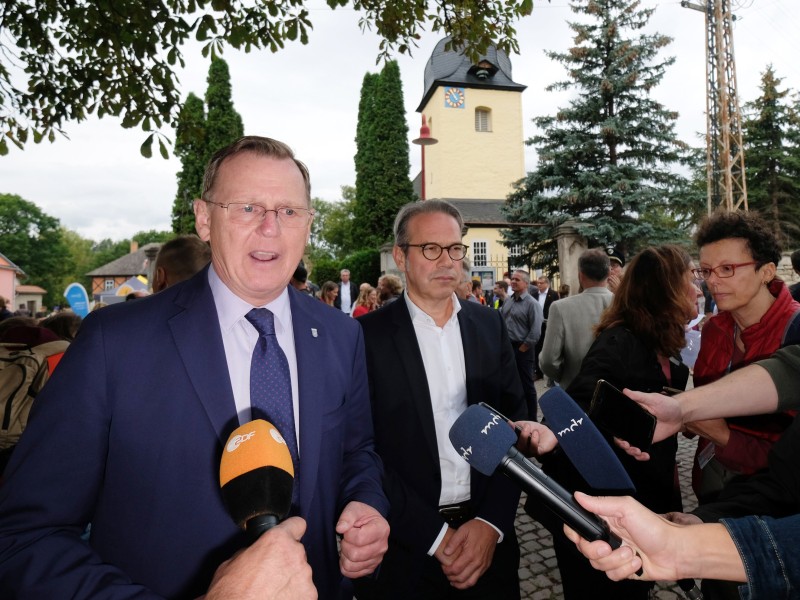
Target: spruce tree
{"points": [[607, 160], [772, 160], [190, 147], [223, 123], [382, 164]]}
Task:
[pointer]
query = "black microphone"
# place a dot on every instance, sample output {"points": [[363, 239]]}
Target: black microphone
{"points": [[256, 477], [486, 442]]}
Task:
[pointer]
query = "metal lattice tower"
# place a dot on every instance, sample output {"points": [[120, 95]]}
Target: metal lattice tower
{"points": [[727, 187]]}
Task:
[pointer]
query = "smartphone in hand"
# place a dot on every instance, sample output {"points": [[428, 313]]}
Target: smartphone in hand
{"points": [[617, 415], [517, 428]]}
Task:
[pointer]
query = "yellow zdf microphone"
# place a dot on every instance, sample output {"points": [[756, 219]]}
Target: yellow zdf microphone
{"points": [[256, 477]]}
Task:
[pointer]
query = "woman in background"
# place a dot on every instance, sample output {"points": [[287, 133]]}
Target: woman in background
{"points": [[638, 344], [367, 301], [328, 292]]}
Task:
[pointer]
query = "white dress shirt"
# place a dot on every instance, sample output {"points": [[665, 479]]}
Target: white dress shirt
{"points": [[239, 338]]}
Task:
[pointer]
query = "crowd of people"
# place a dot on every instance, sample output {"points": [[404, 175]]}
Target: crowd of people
{"points": [[112, 489]]}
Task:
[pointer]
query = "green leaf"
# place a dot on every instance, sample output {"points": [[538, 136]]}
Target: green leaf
{"points": [[163, 149], [146, 149]]}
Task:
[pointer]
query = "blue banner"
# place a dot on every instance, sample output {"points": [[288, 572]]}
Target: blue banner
{"points": [[78, 299]]}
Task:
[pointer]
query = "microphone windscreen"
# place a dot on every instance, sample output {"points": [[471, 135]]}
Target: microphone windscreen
{"points": [[583, 443], [256, 473], [482, 438]]}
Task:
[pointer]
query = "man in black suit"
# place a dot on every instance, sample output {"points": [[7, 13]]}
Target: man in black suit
{"points": [[545, 296], [348, 293], [429, 356]]}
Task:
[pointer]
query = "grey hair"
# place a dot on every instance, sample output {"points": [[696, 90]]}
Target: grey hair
{"points": [[412, 209]]}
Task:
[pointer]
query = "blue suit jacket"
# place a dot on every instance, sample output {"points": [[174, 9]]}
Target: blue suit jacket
{"points": [[128, 435]]}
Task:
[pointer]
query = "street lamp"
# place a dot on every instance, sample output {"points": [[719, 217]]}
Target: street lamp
{"points": [[423, 140]]}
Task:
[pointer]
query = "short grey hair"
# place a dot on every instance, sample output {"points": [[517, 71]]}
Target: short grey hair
{"points": [[524, 274], [412, 209], [261, 146]]}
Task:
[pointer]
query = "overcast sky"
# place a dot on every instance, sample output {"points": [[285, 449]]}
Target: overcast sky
{"points": [[97, 183]]}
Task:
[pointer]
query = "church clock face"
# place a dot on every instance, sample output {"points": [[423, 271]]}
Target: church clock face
{"points": [[454, 97]]}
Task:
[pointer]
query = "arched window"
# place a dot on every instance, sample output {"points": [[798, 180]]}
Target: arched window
{"points": [[483, 119]]}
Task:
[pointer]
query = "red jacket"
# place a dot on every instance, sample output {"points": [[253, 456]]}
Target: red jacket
{"points": [[750, 437]]}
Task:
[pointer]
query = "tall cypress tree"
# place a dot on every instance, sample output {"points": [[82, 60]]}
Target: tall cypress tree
{"points": [[382, 163], [223, 123], [190, 147], [606, 160], [772, 160]]}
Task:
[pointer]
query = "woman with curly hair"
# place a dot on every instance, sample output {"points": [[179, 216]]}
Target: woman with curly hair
{"points": [[638, 344], [739, 254]]}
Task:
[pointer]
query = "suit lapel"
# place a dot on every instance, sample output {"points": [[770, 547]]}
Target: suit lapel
{"points": [[310, 349], [410, 358], [197, 336]]}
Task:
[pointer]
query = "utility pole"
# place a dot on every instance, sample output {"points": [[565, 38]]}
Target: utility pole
{"points": [[727, 187]]}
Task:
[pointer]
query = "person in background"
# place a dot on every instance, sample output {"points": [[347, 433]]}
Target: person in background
{"points": [[22, 311], [639, 338], [563, 291], [299, 280], [136, 295], [389, 289], [500, 293], [347, 294], [477, 291], [523, 317], [571, 333], [367, 301], [129, 433], [329, 292], [179, 259], [616, 271], [4, 312], [64, 324], [545, 296]]}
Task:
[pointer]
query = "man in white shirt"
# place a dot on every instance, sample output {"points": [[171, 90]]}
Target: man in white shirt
{"points": [[429, 356], [348, 293]]}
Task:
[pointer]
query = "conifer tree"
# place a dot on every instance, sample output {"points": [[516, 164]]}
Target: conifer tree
{"points": [[382, 163], [223, 123], [772, 160], [607, 160], [190, 147]]}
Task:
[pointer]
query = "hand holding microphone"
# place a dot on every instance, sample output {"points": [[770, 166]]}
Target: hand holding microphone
{"points": [[273, 568]]}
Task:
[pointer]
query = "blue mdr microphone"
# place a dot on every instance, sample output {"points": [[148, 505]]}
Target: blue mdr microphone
{"points": [[484, 439], [582, 442]]}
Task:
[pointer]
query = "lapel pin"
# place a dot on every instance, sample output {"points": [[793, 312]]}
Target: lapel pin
{"points": [[313, 332]]}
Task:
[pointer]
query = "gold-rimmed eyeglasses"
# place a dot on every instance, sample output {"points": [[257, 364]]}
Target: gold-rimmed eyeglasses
{"points": [[242, 213], [722, 271], [434, 251]]}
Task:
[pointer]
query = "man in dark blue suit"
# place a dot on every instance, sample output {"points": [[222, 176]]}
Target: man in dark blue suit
{"points": [[128, 434], [429, 356]]}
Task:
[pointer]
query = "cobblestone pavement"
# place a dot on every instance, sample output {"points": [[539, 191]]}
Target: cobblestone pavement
{"points": [[538, 571]]}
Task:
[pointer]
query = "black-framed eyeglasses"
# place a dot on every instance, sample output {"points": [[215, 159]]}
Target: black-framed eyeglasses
{"points": [[721, 271], [242, 213], [434, 251]]}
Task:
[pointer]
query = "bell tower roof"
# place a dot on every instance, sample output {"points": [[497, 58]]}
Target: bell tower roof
{"points": [[452, 67]]}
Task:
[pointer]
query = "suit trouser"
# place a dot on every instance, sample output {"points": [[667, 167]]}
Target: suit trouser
{"points": [[525, 367]]}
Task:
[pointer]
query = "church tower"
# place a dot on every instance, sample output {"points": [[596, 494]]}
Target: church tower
{"points": [[474, 110]]}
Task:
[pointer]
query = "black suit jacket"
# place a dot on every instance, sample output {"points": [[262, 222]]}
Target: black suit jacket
{"points": [[550, 297], [405, 435]]}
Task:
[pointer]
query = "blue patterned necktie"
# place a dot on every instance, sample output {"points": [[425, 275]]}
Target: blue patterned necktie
{"points": [[271, 384]]}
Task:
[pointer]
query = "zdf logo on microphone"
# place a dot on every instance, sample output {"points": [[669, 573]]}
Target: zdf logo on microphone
{"points": [[238, 440]]}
